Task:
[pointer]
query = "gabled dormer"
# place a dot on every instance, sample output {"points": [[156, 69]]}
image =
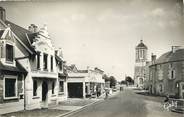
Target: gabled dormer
{"points": [[7, 46], [44, 60]]}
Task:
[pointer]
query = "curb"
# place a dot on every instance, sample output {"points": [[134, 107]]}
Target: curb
{"points": [[77, 110], [83, 107]]}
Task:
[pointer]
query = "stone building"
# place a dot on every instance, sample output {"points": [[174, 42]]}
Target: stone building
{"points": [[140, 63], [167, 74], [146, 80]]}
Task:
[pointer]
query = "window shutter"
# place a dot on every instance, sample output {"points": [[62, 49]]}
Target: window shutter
{"points": [[2, 50], [169, 75], [20, 86]]}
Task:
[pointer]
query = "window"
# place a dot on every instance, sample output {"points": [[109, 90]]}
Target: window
{"points": [[172, 74], [45, 61], [61, 86], [1, 50], [53, 86], [9, 53], [141, 80], [60, 66], [38, 60], [35, 86], [161, 88], [51, 63], [171, 65], [10, 87], [182, 87]]}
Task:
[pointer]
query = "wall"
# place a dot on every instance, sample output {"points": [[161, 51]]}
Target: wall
{"points": [[161, 76]]}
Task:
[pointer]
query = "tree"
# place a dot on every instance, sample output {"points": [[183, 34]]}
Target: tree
{"points": [[123, 82], [105, 77], [113, 81], [129, 80]]}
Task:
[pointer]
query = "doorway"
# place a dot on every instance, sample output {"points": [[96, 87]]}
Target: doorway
{"points": [[44, 90], [75, 90], [181, 89]]}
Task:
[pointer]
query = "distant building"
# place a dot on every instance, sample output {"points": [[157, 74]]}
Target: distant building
{"points": [[84, 83], [140, 63], [146, 80], [167, 74], [62, 76]]}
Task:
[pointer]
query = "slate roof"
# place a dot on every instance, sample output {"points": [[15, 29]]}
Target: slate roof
{"points": [[83, 71], [18, 68], [21, 34], [170, 56], [1, 32], [58, 58], [32, 37], [141, 45]]}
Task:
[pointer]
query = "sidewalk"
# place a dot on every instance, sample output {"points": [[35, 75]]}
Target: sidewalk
{"points": [[36, 113], [62, 109], [73, 105], [154, 105]]}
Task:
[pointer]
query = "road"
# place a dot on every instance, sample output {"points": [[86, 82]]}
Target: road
{"points": [[127, 104]]}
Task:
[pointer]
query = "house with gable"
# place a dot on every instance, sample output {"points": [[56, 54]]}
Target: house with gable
{"points": [[12, 73], [38, 63]]}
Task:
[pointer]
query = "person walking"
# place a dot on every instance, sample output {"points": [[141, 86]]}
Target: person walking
{"points": [[98, 91], [106, 93]]}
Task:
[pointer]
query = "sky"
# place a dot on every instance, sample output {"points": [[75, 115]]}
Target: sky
{"points": [[104, 33]]}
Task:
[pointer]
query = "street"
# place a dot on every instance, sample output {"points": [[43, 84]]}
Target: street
{"points": [[127, 104]]}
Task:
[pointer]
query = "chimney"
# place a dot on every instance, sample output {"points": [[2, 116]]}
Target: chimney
{"points": [[33, 28], [59, 52], [2, 14], [56, 52], [153, 58], [175, 48]]}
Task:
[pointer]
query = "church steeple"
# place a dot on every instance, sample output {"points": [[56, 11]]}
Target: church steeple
{"points": [[141, 52], [140, 63]]}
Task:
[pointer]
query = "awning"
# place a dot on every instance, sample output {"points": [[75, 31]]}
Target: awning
{"points": [[18, 68]]}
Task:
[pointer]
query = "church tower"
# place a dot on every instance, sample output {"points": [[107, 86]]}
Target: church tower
{"points": [[140, 63]]}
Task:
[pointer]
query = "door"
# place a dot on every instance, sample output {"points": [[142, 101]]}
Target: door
{"points": [[75, 90], [44, 90], [181, 90]]}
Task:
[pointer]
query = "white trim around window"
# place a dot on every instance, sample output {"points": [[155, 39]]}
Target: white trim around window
{"points": [[16, 86]]}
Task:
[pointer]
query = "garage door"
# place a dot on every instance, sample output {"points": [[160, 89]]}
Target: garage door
{"points": [[75, 90]]}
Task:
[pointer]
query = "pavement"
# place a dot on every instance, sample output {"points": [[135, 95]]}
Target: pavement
{"points": [[128, 103], [71, 105], [76, 105], [36, 113]]}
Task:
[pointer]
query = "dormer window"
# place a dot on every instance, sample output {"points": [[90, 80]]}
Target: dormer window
{"points": [[9, 53]]}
